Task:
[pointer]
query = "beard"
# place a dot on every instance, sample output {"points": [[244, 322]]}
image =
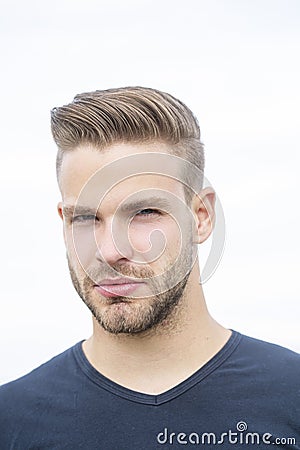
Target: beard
{"points": [[122, 315]]}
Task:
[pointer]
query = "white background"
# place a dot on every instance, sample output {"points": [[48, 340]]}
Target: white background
{"points": [[235, 63]]}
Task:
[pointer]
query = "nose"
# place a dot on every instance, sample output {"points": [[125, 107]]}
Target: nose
{"points": [[111, 248]]}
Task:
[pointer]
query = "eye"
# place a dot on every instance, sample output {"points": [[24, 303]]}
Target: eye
{"points": [[147, 212], [84, 218]]}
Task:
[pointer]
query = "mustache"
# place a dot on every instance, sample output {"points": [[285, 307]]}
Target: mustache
{"points": [[99, 273]]}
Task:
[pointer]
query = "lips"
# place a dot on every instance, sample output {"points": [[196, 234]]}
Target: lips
{"points": [[117, 287]]}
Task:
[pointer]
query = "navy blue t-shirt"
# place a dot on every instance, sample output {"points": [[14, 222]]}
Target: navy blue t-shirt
{"points": [[246, 396]]}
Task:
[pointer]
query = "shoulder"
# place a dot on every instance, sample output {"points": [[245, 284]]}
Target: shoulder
{"points": [[25, 401], [48, 377], [267, 358], [267, 350]]}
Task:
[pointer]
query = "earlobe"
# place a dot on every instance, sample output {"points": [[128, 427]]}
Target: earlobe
{"points": [[204, 210]]}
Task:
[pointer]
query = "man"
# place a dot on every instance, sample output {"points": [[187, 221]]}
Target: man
{"points": [[158, 370]]}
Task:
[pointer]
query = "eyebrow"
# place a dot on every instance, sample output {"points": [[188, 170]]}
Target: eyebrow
{"points": [[153, 202], [69, 210]]}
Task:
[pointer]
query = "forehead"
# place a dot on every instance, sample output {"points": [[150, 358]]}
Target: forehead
{"points": [[118, 171]]}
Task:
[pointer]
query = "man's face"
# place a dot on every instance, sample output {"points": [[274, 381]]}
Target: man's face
{"points": [[128, 237]]}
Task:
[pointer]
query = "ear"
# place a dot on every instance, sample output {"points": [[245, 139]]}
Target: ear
{"points": [[59, 210], [60, 213], [203, 207]]}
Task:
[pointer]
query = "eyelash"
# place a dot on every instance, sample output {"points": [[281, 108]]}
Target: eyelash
{"points": [[84, 218], [153, 211], [89, 217]]}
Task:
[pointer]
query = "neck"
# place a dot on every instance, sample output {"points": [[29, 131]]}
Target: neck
{"points": [[163, 357]]}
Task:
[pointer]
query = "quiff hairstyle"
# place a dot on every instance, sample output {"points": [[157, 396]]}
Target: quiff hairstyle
{"points": [[128, 114]]}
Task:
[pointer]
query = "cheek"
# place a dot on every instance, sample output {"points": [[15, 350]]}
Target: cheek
{"points": [[154, 241], [141, 237], [81, 246]]}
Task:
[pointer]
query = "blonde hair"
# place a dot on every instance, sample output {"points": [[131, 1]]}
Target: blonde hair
{"points": [[128, 114]]}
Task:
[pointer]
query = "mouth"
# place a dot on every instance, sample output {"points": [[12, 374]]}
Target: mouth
{"points": [[117, 287]]}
